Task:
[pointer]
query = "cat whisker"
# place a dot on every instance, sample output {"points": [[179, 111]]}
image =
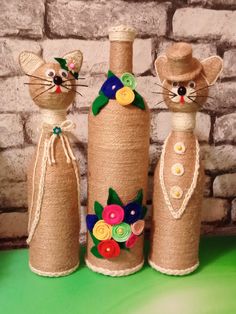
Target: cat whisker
{"points": [[162, 101], [38, 84], [79, 78], [72, 90], [164, 88], [189, 97], [43, 92], [159, 93], [205, 87], [202, 96], [83, 85], [39, 78]]}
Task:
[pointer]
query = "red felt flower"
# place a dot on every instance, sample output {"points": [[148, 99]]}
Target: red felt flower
{"points": [[131, 241], [109, 248]]}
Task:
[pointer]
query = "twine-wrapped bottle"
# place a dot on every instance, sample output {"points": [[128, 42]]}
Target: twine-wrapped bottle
{"points": [[53, 177], [179, 176], [117, 166]]}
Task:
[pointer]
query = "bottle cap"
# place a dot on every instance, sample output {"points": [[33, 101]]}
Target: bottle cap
{"points": [[122, 33]]}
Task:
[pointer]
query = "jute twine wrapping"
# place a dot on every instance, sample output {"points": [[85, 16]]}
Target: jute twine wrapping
{"points": [[54, 248], [174, 248], [118, 158]]}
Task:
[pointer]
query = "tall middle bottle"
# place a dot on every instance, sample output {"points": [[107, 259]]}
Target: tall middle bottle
{"points": [[118, 147]]}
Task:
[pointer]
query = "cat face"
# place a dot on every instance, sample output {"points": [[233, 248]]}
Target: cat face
{"points": [[50, 86], [188, 96]]}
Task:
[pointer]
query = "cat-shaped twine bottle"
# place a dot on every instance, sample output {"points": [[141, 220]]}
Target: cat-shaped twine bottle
{"points": [[53, 178], [179, 175], [117, 165]]}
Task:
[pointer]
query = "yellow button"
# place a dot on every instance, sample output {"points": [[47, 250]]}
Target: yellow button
{"points": [[176, 192], [179, 148], [125, 96], [177, 169]]}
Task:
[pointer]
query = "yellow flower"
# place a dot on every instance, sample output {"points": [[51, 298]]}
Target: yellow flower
{"points": [[102, 231]]}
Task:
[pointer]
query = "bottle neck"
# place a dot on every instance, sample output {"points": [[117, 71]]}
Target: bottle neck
{"points": [[183, 121], [53, 116], [121, 57]]}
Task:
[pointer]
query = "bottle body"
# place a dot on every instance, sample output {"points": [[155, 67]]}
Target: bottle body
{"points": [[117, 158], [54, 247], [175, 235]]}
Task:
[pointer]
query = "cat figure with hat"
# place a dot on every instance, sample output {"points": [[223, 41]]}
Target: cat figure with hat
{"points": [[179, 175], [53, 177]]}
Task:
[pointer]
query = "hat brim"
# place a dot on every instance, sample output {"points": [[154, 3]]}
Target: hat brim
{"points": [[168, 73]]}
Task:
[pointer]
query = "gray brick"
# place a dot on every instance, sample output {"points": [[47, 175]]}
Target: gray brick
{"points": [[194, 23], [225, 128], [22, 18], [11, 130], [70, 18]]}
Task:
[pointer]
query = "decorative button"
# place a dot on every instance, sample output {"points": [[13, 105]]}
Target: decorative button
{"points": [[129, 80], [57, 130], [176, 192], [177, 169], [125, 96], [179, 148]]}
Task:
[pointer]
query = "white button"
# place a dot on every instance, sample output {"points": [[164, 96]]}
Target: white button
{"points": [[176, 192], [179, 148], [177, 169]]}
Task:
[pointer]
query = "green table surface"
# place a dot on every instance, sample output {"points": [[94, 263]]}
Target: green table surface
{"points": [[211, 289]]}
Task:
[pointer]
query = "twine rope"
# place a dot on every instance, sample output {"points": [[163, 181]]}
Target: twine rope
{"points": [[49, 157], [177, 213], [174, 272]]}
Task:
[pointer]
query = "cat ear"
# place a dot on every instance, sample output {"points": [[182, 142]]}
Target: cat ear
{"points": [[76, 57], [29, 62], [212, 68], [160, 64]]}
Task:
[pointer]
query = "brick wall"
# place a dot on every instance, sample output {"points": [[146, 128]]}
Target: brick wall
{"points": [[53, 27]]}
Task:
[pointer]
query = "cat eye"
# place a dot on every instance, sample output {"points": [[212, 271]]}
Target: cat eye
{"points": [[192, 84], [175, 84], [63, 73], [50, 73]]}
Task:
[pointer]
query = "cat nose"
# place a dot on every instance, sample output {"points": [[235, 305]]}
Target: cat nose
{"points": [[57, 80], [181, 91]]}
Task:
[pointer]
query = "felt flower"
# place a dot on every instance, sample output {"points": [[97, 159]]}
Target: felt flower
{"points": [[113, 214], [57, 130], [109, 248], [125, 96], [111, 86], [137, 227], [102, 231], [90, 221], [131, 241], [73, 65], [133, 212], [121, 232]]}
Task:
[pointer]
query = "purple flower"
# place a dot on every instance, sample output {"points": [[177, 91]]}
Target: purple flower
{"points": [[133, 212], [90, 221]]}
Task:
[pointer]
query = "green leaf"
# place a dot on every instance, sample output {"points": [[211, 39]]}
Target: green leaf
{"points": [[98, 208], [113, 198], [95, 240], [110, 74], [123, 246], [62, 63], [139, 197], [95, 252], [138, 101], [144, 211], [99, 103]]}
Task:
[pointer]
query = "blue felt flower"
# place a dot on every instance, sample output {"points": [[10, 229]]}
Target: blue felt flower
{"points": [[133, 212], [111, 86], [90, 221]]}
